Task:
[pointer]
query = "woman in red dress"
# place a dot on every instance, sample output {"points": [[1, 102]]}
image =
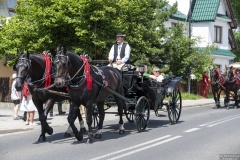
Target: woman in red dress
{"points": [[205, 84]]}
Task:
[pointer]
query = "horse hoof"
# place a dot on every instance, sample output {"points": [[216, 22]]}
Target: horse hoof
{"points": [[90, 141], [42, 139], [83, 130], [98, 136], [67, 135], [50, 131], [121, 131], [79, 136]]}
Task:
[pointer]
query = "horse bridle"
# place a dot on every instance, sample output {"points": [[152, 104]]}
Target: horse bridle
{"points": [[21, 63], [213, 74], [232, 78], [57, 61]]}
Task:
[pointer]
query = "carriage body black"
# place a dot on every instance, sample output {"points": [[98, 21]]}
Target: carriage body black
{"points": [[144, 94]]}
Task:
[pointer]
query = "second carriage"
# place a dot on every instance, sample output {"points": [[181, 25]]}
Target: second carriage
{"points": [[143, 95]]}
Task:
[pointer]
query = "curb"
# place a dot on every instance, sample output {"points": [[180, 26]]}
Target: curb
{"points": [[5, 131], [9, 105]]}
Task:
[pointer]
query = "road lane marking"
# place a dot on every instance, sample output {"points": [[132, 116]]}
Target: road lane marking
{"points": [[133, 147], [202, 125], [144, 148], [192, 130], [214, 124]]}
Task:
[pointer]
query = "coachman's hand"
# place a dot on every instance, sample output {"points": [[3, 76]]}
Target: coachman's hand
{"points": [[119, 62]]}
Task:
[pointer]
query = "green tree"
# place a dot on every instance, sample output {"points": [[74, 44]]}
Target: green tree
{"points": [[91, 26], [236, 6]]}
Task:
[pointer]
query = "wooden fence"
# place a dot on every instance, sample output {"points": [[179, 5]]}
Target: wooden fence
{"points": [[196, 87], [5, 88]]}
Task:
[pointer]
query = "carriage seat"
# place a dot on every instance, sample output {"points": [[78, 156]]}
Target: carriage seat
{"points": [[129, 78]]}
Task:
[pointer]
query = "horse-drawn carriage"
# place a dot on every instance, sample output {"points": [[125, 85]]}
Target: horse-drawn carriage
{"points": [[133, 93], [143, 94]]}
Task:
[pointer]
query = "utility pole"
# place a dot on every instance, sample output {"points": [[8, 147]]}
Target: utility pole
{"points": [[189, 47]]}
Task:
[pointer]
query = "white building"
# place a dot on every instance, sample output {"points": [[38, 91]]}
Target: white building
{"points": [[212, 21]]}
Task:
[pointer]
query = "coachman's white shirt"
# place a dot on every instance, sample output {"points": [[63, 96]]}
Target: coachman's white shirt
{"points": [[127, 53]]}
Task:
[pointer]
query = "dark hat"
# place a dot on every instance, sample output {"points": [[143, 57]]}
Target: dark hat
{"points": [[120, 35]]}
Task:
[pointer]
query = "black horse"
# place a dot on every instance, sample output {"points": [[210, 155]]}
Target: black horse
{"points": [[231, 84], [31, 68], [217, 83], [88, 85]]}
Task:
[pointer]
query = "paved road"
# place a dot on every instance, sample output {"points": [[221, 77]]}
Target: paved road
{"points": [[203, 133], [8, 125]]}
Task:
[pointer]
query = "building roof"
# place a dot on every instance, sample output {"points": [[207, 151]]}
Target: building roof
{"points": [[177, 16], [222, 52], [204, 10], [223, 16]]}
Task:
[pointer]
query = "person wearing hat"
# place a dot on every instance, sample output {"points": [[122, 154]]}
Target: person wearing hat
{"points": [[119, 53], [15, 97], [156, 75]]}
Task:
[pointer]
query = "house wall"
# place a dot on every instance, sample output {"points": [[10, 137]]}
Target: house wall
{"points": [[222, 61], [4, 70], [170, 21], [225, 28], [205, 30], [201, 30], [221, 8]]}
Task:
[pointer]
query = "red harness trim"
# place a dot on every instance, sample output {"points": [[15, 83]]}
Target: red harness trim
{"points": [[47, 69], [220, 76], [25, 91], [87, 72], [235, 76]]}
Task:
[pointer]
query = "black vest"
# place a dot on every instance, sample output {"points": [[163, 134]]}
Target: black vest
{"points": [[122, 52]]}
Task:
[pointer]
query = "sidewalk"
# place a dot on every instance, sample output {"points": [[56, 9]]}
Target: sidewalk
{"points": [[8, 125]]}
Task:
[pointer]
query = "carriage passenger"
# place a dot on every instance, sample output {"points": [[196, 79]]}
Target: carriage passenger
{"points": [[238, 72], [156, 75], [119, 53]]}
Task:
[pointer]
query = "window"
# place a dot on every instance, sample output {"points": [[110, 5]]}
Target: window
{"points": [[217, 34], [173, 24], [218, 66]]}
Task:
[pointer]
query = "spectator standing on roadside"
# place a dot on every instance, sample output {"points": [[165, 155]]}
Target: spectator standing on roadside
{"points": [[28, 104], [60, 112], [205, 84], [15, 97]]}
